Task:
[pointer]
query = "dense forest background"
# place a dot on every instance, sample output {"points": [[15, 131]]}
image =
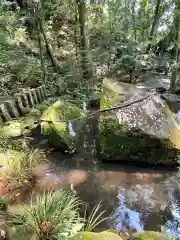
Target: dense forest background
{"points": [[78, 42]]}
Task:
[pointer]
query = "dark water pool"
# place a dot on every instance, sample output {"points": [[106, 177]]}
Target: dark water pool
{"points": [[135, 198]]}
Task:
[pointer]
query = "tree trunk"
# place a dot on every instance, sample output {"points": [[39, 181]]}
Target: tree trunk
{"points": [[83, 40], [134, 18], [20, 3], [155, 20], [176, 26], [50, 54], [41, 56], [131, 76], [75, 27], [154, 24]]}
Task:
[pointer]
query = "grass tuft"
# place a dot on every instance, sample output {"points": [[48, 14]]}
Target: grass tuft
{"points": [[53, 215], [95, 218]]}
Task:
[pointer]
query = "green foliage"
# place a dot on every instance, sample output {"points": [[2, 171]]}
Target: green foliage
{"points": [[18, 68], [19, 165], [3, 203], [133, 57], [7, 143], [95, 218], [53, 215]]}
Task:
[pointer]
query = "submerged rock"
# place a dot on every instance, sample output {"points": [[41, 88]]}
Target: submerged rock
{"points": [[61, 124], [144, 131]]}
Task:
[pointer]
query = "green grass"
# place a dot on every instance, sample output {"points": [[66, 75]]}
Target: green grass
{"points": [[95, 218], [53, 215], [19, 165]]}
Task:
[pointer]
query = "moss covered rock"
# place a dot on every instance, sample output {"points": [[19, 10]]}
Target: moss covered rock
{"points": [[96, 236], [144, 131], [61, 124], [12, 129], [111, 94], [148, 235], [16, 128]]}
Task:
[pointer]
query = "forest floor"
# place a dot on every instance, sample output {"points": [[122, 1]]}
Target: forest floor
{"points": [[151, 80]]}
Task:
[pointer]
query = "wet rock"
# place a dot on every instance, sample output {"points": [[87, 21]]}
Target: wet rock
{"points": [[170, 98], [96, 236], [12, 129], [144, 131], [61, 124], [149, 235], [161, 89]]}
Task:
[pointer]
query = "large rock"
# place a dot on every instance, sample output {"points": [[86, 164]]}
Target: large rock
{"points": [[61, 124], [172, 100], [145, 131]]}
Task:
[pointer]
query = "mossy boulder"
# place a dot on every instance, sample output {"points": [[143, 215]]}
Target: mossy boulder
{"points": [[96, 236], [12, 129], [111, 94], [61, 124], [145, 131], [149, 235]]}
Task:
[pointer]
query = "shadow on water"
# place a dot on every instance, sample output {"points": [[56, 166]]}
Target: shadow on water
{"points": [[135, 198]]}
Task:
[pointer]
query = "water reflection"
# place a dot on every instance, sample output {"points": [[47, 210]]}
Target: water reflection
{"points": [[124, 218], [150, 207], [135, 199], [172, 227]]}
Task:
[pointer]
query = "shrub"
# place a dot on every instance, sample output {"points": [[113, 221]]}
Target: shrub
{"points": [[54, 215], [19, 165]]}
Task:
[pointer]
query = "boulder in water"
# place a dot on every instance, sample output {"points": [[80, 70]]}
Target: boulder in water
{"points": [[61, 124], [143, 131]]}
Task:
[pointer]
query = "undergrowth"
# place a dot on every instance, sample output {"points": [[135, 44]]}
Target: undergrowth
{"points": [[53, 215]]}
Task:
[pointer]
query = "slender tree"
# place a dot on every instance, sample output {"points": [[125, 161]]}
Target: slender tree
{"points": [[156, 18], [175, 32], [87, 73]]}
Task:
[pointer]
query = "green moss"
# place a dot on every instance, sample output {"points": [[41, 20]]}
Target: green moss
{"points": [[45, 104], [148, 235], [29, 121], [58, 131], [12, 128], [110, 95], [117, 143], [96, 236]]}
